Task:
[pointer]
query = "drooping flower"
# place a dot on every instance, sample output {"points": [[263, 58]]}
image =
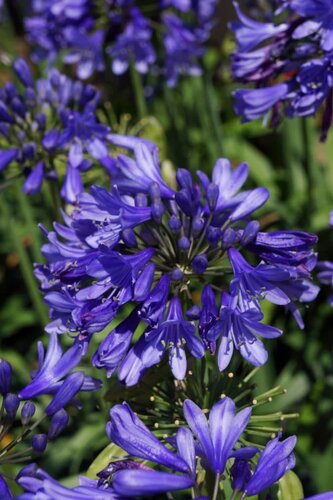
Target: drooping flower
{"points": [[146, 246], [287, 60], [48, 124]]}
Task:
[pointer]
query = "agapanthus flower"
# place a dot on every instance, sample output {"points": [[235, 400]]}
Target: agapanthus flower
{"points": [[210, 446], [144, 248], [286, 60], [19, 420], [122, 31], [49, 123]]}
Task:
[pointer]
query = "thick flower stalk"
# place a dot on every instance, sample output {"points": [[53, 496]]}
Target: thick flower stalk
{"points": [[21, 436], [49, 126], [152, 252], [125, 31], [287, 61], [202, 446]]}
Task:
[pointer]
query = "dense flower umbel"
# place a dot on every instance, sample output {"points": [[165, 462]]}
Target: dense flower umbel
{"points": [[147, 247], [47, 124], [52, 377], [206, 445], [86, 33], [288, 60]]}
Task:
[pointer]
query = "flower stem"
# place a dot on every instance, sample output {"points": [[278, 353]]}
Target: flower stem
{"points": [[25, 262], [138, 92], [216, 486], [213, 114], [31, 224]]}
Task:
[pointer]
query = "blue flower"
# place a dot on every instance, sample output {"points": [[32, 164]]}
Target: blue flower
{"points": [[218, 436], [37, 483], [49, 122], [274, 461], [85, 36], [296, 52], [128, 431], [239, 326], [52, 375], [152, 248]]}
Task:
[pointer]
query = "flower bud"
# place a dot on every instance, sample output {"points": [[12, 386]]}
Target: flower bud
{"points": [[177, 274], [184, 243], [197, 225], [212, 195], [193, 313], [58, 423], [199, 263], [23, 72], [175, 224], [38, 443], [28, 411], [5, 377], [129, 238], [228, 238], [213, 234], [141, 200], [11, 404], [157, 211], [250, 232]]}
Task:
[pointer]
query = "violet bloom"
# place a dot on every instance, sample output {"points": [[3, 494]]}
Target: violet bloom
{"points": [[50, 121], [128, 431], [150, 247], [275, 460], [38, 484], [218, 436], [52, 376], [293, 49], [122, 33], [133, 46]]}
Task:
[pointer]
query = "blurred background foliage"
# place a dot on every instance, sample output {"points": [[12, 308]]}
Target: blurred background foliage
{"points": [[193, 125]]}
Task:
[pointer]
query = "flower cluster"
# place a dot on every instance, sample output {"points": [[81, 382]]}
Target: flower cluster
{"points": [[215, 442], [86, 32], [325, 268], [52, 377], [151, 251], [288, 60], [48, 125]]}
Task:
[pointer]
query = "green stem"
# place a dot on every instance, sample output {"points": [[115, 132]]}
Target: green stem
{"points": [[55, 199], [213, 114], [310, 165], [216, 486], [25, 263], [138, 92], [31, 224]]}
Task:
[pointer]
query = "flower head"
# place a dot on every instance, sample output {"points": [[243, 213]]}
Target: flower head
{"points": [[293, 49], [49, 124], [146, 246]]}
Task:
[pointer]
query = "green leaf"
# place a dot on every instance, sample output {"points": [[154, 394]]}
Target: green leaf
{"points": [[290, 487]]}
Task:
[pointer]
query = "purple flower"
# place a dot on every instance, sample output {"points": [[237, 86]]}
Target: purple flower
{"points": [[274, 461], [119, 31], [46, 120], [240, 327], [183, 46], [293, 49], [218, 436], [52, 375], [37, 483], [146, 246], [133, 45], [128, 431], [4, 490]]}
